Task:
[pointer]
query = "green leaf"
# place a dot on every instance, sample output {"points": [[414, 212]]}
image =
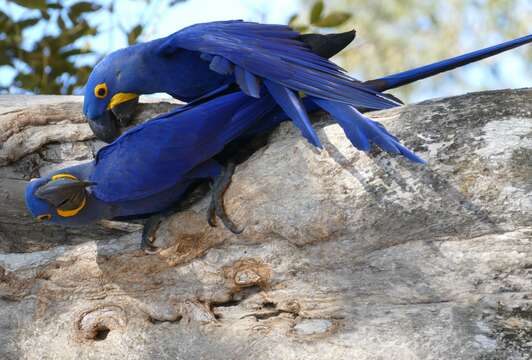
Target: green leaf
{"points": [[5, 57], [55, 6], [61, 23], [32, 4], [292, 20], [334, 19], [134, 34], [82, 7], [45, 15], [70, 35], [316, 12], [28, 22], [4, 18], [300, 28], [73, 52]]}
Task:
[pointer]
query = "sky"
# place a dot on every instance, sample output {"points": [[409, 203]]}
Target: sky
{"points": [[168, 20]]}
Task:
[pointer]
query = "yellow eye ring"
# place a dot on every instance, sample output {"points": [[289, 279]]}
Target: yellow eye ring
{"points": [[100, 91], [44, 217]]}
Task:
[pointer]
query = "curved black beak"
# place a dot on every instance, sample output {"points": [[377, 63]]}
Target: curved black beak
{"points": [[63, 193], [105, 127], [125, 110], [108, 126]]}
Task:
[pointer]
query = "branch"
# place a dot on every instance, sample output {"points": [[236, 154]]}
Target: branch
{"points": [[345, 255]]}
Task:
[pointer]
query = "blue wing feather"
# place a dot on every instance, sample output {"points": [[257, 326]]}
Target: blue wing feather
{"points": [[253, 84], [247, 82], [221, 66], [290, 103], [362, 131], [274, 52]]}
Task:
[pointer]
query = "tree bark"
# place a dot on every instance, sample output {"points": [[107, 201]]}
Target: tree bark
{"points": [[345, 255]]}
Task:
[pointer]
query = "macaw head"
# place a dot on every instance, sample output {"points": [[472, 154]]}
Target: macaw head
{"points": [[57, 199], [108, 103]]}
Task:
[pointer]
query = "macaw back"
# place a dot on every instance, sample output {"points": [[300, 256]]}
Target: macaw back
{"points": [[160, 153], [183, 75]]}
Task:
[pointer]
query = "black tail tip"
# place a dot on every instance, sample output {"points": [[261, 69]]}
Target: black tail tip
{"points": [[328, 45]]}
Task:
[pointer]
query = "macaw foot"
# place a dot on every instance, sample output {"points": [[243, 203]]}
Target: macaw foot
{"points": [[148, 234], [216, 207], [151, 226]]}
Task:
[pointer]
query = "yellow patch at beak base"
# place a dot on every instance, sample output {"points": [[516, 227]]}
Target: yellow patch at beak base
{"points": [[120, 98]]}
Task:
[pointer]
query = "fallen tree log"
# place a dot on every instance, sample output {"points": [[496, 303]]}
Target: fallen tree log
{"points": [[345, 255]]}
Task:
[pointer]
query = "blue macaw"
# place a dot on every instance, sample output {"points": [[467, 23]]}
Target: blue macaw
{"points": [[150, 167], [205, 60]]}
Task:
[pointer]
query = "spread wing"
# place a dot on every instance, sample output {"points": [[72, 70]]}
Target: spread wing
{"points": [[160, 153], [272, 52]]}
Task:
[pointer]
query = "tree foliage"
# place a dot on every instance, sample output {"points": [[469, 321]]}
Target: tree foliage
{"points": [[47, 43], [317, 19], [48, 64]]}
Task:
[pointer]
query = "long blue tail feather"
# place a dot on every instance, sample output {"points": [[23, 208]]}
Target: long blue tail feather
{"points": [[409, 76]]}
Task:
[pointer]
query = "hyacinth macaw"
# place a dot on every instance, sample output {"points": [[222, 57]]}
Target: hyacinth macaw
{"points": [[148, 169], [205, 60]]}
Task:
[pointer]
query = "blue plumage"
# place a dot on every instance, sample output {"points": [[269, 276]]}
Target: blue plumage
{"points": [[161, 152], [207, 60], [148, 168], [362, 131], [422, 72], [291, 105], [274, 52]]}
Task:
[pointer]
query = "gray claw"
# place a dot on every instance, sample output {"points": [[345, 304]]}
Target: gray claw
{"points": [[216, 206], [148, 234]]}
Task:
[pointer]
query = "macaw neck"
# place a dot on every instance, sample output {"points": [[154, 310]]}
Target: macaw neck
{"points": [[183, 74], [144, 206]]}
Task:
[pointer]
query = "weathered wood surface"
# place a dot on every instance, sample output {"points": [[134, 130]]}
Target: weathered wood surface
{"points": [[344, 255]]}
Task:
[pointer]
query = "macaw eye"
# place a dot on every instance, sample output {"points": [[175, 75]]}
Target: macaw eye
{"points": [[100, 91], [44, 217]]}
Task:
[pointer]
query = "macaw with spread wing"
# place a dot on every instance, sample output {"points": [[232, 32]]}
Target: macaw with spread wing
{"points": [[206, 60]]}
